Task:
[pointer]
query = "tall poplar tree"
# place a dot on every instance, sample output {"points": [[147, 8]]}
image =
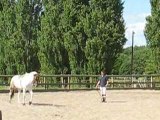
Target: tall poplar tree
{"points": [[152, 29], [10, 54], [105, 30], [74, 36], [29, 28], [53, 55]]}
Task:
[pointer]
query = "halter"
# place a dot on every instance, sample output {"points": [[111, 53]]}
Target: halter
{"points": [[35, 78]]}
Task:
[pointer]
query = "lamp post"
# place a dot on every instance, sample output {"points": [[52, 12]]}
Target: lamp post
{"points": [[132, 54]]}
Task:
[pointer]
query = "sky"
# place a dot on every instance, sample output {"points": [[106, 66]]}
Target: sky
{"points": [[134, 14]]}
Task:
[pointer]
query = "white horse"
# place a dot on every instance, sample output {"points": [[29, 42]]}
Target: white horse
{"points": [[23, 82]]}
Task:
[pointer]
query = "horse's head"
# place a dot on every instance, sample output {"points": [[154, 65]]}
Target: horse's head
{"points": [[35, 77]]}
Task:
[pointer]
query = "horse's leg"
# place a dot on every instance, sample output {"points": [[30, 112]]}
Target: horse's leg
{"points": [[31, 96], [10, 94], [19, 92], [24, 92], [11, 89]]}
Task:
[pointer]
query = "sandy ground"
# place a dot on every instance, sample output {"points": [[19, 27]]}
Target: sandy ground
{"points": [[85, 105]]}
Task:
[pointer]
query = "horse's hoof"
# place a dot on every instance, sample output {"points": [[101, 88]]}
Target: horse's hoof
{"points": [[30, 103], [24, 104]]}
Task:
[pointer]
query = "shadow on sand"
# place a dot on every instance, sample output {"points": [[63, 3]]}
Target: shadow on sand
{"points": [[47, 104], [115, 101]]}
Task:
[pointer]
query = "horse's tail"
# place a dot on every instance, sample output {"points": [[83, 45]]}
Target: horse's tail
{"points": [[11, 88]]}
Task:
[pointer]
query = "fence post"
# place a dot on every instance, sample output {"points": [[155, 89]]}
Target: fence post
{"points": [[112, 80], [0, 115], [62, 81], [79, 82], [132, 81], [68, 83], [151, 81], [124, 86], [90, 81], [45, 86]]}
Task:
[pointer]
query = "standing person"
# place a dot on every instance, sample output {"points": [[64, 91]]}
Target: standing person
{"points": [[102, 83]]}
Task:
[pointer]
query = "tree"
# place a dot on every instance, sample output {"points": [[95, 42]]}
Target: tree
{"points": [[142, 61], [152, 31], [9, 29], [29, 29], [60, 36], [105, 31], [53, 55], [74, 36]]}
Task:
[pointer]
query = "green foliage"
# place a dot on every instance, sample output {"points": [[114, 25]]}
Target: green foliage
{"points": [[74, 35], [152, 34], [70, 36], [142, 61], [105, 30], [9, 29], [29, 29], [50, 40]]}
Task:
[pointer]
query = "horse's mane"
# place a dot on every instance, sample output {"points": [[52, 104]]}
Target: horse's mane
{"points": [[34, 72]]}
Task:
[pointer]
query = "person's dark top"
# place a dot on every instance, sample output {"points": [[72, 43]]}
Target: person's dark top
{"points": [[103, 81]]}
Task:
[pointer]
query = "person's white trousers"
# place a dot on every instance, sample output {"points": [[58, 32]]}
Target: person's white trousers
{"points": [[103, 91]]}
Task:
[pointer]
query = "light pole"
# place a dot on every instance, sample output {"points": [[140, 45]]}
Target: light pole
{"points": [[132, 54]]}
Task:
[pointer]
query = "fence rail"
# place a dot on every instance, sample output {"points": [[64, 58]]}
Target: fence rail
{"points": [[71, 82]]}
